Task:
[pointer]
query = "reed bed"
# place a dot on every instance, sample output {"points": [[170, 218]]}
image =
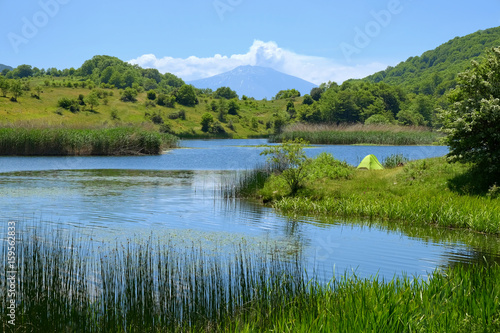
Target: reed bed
{"points": [[359, 134], [246, 183], [65, 285], [83, 142]]}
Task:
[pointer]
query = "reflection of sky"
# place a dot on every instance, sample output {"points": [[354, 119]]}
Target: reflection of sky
{"points": [[115, 205], [209, 155]]}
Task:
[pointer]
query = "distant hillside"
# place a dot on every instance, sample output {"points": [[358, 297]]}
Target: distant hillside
{"points": [[2, 67], [254, 81], [434, 71]]}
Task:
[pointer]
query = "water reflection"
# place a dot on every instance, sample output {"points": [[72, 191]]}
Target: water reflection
{"points": [[184, 207]]}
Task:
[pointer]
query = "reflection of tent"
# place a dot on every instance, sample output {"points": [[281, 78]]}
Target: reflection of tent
{"points": [[370, 162]]}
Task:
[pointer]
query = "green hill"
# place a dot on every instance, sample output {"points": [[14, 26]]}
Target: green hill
{"points": [[434, 72]]}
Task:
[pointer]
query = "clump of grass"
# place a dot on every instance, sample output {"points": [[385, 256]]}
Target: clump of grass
{"points": [[359, 134], [105, 141], [394, 160], [245, 184]]}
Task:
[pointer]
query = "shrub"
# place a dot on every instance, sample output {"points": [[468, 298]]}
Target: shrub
{"points": [[326, 166], [65, 103], [217, 128], [206, 122], [129, 95], [291, 160], [151, 95]]}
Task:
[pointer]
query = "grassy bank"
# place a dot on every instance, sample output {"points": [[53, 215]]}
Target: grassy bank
{"points": [[424, 192], [66, 141], [64, 285], [359, 134]]}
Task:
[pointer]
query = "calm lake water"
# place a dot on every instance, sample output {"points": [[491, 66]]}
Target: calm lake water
{"points": [[175, 196]]}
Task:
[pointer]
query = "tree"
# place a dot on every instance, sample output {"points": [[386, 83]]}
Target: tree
{"points": [[16, 89], [92, 100], [186, 96], [316, 93], [206, 122], [225, 92], [222, 108], [472, 122], [4, 86], [290, 159], [22, 71], [233, 107], [308, 100]]}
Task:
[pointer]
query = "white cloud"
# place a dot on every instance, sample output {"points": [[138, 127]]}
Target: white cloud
{"points": [[266, 54]]}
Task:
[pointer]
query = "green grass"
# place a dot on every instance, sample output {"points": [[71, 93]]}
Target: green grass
{"points": [[359, 134], [424, 192], [68, 284], [105, 141], [112, 112]]}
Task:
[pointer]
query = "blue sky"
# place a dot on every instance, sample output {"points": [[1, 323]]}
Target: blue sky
{"points": [[318, 40]]}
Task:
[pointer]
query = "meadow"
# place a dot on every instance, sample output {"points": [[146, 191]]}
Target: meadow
{"points": [[348, 134], [68, 283], [253, 118]]}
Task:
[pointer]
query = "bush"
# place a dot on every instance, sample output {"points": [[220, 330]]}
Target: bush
{"points": [[151, 95], [326, 166], [206, 122], [377, 119], [308, 100], [157, 119], [217, 128], [291, 160], [129, 95], [68, 104], [233, 107]]}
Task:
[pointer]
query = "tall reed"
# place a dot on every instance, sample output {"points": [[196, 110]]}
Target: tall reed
{"points": [[358, 134], [60, 141], [66, 285]]}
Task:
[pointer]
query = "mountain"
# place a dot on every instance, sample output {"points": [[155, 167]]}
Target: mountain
{"points": [[434, 72], [2, 67], [255, 81]]}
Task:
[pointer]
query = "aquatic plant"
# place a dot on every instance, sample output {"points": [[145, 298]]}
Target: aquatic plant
{"points": [[67, 284], [358, 134], [60, 141]]}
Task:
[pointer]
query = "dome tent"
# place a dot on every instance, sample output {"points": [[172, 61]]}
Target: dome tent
{"points": [[370, 162]]}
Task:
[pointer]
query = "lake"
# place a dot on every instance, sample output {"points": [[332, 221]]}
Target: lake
{"points": [[176, 196]]}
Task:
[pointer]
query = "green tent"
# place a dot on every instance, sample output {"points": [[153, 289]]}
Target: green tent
{"points": [[370, 162]]}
